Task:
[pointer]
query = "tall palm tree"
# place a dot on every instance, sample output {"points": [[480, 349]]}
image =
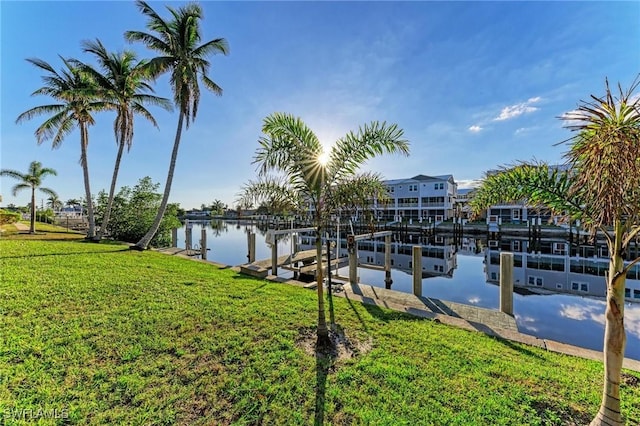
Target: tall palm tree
{"points": [[177, 42], [309, 175], [602, 188], [122, 83], [32, 179], [75, 93]]}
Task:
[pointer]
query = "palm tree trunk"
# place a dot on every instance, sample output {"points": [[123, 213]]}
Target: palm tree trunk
{"points": [[32, 228], [144, 242], [84, 142], [323, 331], [614, 337], [112, 190]]}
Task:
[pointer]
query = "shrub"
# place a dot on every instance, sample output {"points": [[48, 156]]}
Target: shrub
{"points": [[133, 212], [7, 217]]}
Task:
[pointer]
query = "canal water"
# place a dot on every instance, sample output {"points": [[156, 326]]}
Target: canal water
{"points": [[568, 318]]}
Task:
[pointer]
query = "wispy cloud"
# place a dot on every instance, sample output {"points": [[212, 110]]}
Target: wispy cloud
{"points": [[516, 110], [475, 129], [468, 183], [524, 130]]}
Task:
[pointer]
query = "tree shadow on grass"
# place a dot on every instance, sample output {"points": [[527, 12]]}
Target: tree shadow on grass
{"points": [[26, 256], [324, 361]]}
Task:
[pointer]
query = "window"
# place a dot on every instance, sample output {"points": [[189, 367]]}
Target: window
{"points": [[515, 245], [636, 294], [442, 186], [627, 292], [578, 286], [435, 186], [392, 189], [413, 188], [435, 268], [494, 276], [537, 281]]}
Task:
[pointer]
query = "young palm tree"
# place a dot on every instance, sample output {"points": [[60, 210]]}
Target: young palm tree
{"points": [[602, 188], [309, 175], [32, 179], [177, 42], [76, 94], [122, 84]]}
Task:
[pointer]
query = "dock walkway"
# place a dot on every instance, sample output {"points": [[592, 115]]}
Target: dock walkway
{"points": [[261, 268]]}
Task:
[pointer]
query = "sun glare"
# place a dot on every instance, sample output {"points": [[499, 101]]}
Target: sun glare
{"points": [[323, 158]]}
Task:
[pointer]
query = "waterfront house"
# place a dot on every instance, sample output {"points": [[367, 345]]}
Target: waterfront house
{"points": [[419, 199]]}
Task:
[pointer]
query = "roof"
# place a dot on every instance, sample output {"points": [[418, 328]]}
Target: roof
{"points": [[420, 178]]}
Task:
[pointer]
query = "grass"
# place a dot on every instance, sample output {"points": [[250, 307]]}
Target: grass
{"points": [[44, 231], [113, 336]]}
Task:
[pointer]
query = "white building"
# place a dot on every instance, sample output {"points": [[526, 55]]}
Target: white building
{"points": [[419, 198]]}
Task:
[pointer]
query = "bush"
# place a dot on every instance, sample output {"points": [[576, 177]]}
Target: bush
{"points": [[45, 216], [7, 217], [133, 212]]}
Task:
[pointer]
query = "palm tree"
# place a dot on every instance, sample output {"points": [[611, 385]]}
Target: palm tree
{"points": [[176, 41], [54, 202], [218, 207], [32, 179], [76, 94], [309, 175], [122, 84], [602, 188]]}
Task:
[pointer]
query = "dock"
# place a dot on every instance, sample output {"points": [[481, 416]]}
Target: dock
{"points": [[302, 262]]}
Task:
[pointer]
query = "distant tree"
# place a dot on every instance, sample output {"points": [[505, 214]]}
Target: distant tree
{"points": [[310, 175], [72, 202], [177, 42], [122, 83], [75, 93], [32, 180], [218, 207], [54, 202], [602, 188]]}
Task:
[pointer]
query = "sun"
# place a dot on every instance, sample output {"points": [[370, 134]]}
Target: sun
{"points": [[323, 158]]}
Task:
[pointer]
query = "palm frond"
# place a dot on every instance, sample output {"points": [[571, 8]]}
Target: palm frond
{"points": [[19, 187], [371, 140]]}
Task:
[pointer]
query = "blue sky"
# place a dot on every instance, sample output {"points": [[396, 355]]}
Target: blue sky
{"points": [[474, 85]]}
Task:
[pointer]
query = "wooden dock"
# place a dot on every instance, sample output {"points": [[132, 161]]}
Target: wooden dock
{"points": [[302, 262]]}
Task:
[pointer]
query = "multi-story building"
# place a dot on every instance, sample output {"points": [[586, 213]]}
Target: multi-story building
{"points": [[420, 198]]}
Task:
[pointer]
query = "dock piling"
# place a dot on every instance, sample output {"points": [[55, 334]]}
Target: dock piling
{"points": [[417, 270], [203, 243], [506, 283]]}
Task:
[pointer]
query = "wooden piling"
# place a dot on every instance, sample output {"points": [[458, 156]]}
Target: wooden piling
{"points": [[251, 242], [506, 283], [274, 256], [203, 243], [387, 262], [417, 270]]}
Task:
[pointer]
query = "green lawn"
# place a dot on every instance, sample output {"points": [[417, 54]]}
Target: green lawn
{"points": [[44, 231], [112, 336]]}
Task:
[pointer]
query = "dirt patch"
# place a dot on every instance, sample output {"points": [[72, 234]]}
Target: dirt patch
{"points": [[342, 347], [550, 412], [629, 380]]}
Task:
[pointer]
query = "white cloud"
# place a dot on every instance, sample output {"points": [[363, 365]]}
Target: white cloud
{"points": [[516, 110], [475, 128], [468, 183]]}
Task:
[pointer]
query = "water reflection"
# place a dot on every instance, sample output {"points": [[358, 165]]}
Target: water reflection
{"points": [[462, 274]]}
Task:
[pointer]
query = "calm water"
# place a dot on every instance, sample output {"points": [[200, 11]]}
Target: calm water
{"points": [[565, 318]]}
